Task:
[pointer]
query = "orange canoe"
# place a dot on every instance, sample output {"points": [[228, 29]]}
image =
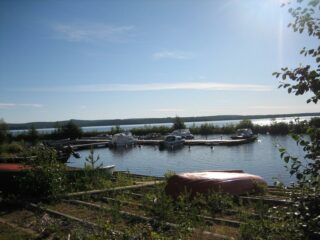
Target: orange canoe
{"points": [[234, 182]]}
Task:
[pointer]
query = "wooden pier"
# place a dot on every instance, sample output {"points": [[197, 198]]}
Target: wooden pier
{"points": [[81, 144], [203, 142]]}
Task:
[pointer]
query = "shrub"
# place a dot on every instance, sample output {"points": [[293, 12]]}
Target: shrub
{"points": [[245, 123], [46, 178]]}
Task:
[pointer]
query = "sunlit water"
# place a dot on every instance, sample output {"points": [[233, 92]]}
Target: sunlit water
{"points": [[261, 158]]}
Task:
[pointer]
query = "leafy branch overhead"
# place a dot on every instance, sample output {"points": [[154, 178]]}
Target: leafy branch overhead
{"points": [[306, 78], [301, 80]]}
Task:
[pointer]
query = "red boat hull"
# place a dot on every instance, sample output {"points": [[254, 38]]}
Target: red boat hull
{"points": [[232, 182]]}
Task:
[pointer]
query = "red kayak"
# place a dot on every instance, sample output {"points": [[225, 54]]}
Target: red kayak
{"points": [[13, 167], [234, 182]]}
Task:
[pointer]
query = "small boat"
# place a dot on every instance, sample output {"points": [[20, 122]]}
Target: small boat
{"points": [[124, 139], [244, 133], [234, 182], [172, 142], [108, 170], [74, 173], [184, 133]]}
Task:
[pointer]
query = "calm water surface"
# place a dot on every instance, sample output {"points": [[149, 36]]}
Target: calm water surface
{"points": [[261, 158]]}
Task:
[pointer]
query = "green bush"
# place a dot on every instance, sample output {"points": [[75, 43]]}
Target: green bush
{"points": [[46, 178], [13, 148], [245, 123], [218, 202]]}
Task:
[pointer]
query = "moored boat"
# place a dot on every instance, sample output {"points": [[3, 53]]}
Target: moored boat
{"points": [[172, 142], [124, 139], [184, 133], [244, 133]]}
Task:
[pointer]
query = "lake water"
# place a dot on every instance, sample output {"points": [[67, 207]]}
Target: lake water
{"points": [[262, 121], [260, 157]]}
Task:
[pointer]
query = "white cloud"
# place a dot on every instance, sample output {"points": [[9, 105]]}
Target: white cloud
{"points": [[168, 110], [172, 55], [206, 86], [91, 32], [13, 105], [273, 107]]}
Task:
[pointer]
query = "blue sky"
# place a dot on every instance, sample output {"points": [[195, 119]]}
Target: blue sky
{"points": [[126, 59]]}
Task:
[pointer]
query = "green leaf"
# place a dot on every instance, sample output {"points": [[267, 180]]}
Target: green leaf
{"points": [[286, 159], [282, 149]]}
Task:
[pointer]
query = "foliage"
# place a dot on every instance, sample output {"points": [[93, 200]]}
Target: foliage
{"points": [[307, 170], [178, 123], [245, 123], [218, 202], [279, 128], [266, 228], [304, 79], [3, 131], [69, 130], [315, 122], [91, 160], [91, 177], [163, 130], [299, 220], [46, 178], [116, 129], [9, 149], [307, 80], [32, 135]]}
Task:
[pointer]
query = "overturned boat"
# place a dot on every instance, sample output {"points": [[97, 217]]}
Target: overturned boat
{"points": [[234, 182]]}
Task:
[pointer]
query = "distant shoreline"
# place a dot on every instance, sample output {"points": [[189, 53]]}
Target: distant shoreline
{"points": [[134, 121]]}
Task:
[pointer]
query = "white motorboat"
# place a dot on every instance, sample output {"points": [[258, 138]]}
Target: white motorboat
{"points": [[184, 133], [243, 134], [124, 139], [173, 141]]}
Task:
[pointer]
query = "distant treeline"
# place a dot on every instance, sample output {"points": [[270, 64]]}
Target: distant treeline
{"points": [[133, 121], [298, 127], [72, 131]]}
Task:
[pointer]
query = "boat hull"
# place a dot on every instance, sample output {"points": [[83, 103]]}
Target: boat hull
{"points": [[231, 182]]}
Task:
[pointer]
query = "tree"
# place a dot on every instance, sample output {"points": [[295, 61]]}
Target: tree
{"points": [[303, 79], [71, 130], [306, 78], [245, 123], [3, 131], [178, 123], [92, 160], [33, 135]]}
